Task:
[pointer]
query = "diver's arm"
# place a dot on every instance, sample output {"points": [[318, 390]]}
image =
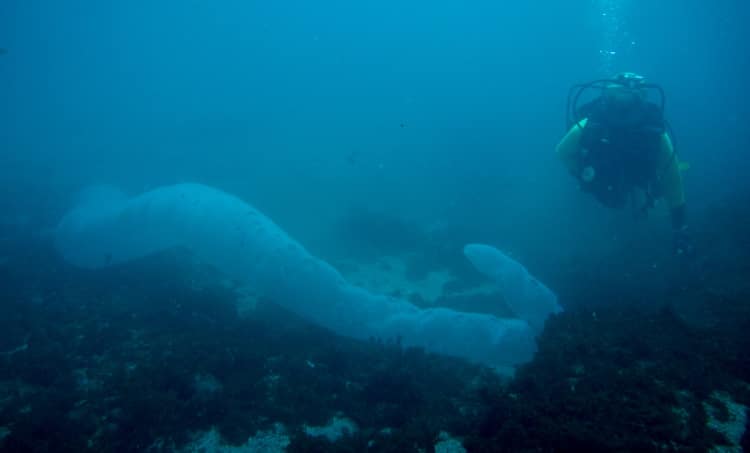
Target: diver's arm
{"points": [[569, 148], [670, 185], [670, 181]]}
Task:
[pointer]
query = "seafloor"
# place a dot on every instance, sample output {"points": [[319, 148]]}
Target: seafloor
{"points": [[157, 357]]}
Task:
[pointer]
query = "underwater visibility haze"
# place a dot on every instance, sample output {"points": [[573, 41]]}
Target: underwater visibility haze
{"points": [[374, 226]]}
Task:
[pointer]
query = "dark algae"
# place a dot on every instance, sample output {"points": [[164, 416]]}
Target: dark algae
{"points": [[138, 357], [263, 226]]}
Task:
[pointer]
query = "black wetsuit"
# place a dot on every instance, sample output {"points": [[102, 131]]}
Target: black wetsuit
{"points": [[622, 148]]}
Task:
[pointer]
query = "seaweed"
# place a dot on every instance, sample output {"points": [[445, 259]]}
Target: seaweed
{"points": [[146, 355]]}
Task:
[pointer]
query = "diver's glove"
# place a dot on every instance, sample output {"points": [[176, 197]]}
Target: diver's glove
{"points": [[683, 245]]}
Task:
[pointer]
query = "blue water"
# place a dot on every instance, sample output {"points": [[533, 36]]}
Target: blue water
{"points": [[450, 110], [443, 115]]}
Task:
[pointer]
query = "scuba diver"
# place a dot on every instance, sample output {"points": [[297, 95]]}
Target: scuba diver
{"points": [[620, 148]]}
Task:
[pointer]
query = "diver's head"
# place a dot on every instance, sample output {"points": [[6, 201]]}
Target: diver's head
{"points": [[624, 100], [629, 80], [625, 91]]}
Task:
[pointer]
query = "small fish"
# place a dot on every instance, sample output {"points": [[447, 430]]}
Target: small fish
{"points": [[3, 51], [402, 125]]}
